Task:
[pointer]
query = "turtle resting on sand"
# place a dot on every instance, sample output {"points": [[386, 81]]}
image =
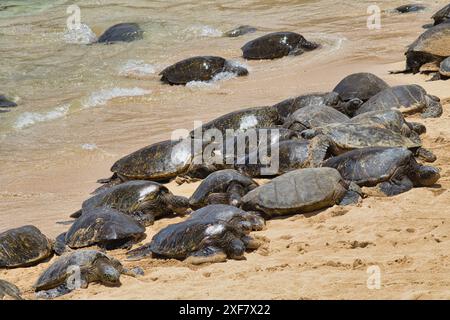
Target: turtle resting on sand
{"points": [[160, 161], [301, 191], [361, 86], [428, 50], [122, 32], [222, 187], [197, 241], [5, 104], [76, 270], [443, 72], [314, 116], [105, 227], [410, 8], [391, 170], [23, 247], [442, 16], [239, 31], [247, 221], [331, 99], [276, 45], [408, 98], [9, 291], [202, 68], [142, 200]]}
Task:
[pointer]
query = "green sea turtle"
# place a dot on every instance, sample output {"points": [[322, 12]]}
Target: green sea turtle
{"points": [[160, 161], [391, 170], [122, 32], [314, 116], [407, 8], [430, 48], [9, 291], [442, 15], [197, 241], [441, 72], [361, 86], [239, 31], [301, 191], [247, 221], [23, 247], [276, 45], [76, 270], [142, 200], [201, 68], [222, 187], [105, 227], [407, 98], [5, 104], [331, 99]]}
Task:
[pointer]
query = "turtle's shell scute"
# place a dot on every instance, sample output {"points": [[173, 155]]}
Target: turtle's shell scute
{"points": [[317, 116], [24, 246], [360, 85]]}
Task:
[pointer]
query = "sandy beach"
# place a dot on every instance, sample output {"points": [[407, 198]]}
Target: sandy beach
{"points": [[322, 255]]}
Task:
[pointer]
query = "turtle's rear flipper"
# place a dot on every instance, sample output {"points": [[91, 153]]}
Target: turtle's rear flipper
{"points": [[433, 108], [76, 214], [207, 255], [53, 293], [108, 183], [139, 253]]}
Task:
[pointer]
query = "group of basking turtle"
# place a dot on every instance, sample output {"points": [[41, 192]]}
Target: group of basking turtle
{"points": [[331, 148]]}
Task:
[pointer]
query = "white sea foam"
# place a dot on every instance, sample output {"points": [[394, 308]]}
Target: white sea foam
{"points": [[136, 68], [28, 119], [80, 35], [204, 31], [89, 146], [222, 76], [101, 97]]}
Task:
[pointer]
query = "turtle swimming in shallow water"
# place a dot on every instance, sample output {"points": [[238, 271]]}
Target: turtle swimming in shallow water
{"points": [[222, 187], [201, 68], [300, 191], [331, 99], [276, 45], [160, 161], [105, 227], [407, 8], [122, 32], [76, 270], [142, 200], [247, 221], [429, 49], [361, 86], [23, 247], [9, 291], [314, 116], [442, 15], [407, 98], [391, 170], [239, 31], [197, 241], [5, 104]]}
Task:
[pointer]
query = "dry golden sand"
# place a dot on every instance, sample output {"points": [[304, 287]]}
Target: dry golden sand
{"points": [[321, 255]]}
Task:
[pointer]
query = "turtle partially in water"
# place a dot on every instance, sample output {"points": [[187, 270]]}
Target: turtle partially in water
{"points": [[9, 291], [276, 45], [105, 227], [247, 221], [23, 247], [331, 99], [142, 200], [361, 86], [429, 49], [222, 187], [239, 31], [196, 242], [76, 270], [407, 98], [407, 8], [314, 116], [391, 170], [122, 32], [442, 15], [201, 68], [5, 104], [301, 191], [160, 161]]}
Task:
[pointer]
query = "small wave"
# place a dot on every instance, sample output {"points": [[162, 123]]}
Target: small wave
{"points": [[222, 76], [28, 119], [80, 35], [101, 97], [204, 31], [89, 146], [136, 68]]}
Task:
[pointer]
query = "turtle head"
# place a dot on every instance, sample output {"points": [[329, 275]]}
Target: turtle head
{"points": [[310, 133], [148, 198], [425, 176], [108, 275], [236, 68], [349, 107], [236, 249]]}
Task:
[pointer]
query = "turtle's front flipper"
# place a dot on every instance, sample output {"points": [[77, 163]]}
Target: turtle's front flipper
{"points": [[251, 243], [53, 293], [395, 186], [433, 108], [207, 255], [139, 253], [296, 51], [417, 127], [352, 196], [425, 155], [317, 150], [177, 204]]}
